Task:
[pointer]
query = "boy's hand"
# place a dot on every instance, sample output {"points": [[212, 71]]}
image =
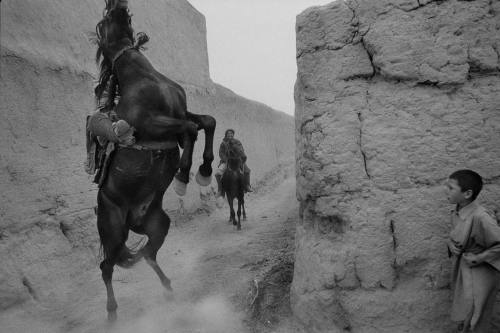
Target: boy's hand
{"points": [[124, 132], [127, 138], [453, 248], [472, 259]]}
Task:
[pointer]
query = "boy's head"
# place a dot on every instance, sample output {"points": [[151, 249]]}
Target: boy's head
{"points": [[464, 186]]}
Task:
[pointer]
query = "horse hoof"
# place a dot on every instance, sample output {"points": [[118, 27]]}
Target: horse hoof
{"points": [[203, 181], [168, 286], [112, 316], [179, 187]]}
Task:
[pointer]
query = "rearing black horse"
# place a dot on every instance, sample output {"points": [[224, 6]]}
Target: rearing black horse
{"points": [[131, 196]]}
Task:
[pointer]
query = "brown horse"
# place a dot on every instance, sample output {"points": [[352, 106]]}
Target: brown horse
{"points": [[234, 188], [131, 196]]}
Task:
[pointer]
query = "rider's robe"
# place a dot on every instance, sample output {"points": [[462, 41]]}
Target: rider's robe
{"points": [[100, 144]]}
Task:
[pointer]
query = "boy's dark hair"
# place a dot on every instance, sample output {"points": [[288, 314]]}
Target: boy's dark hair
{"points": [[468, 180]]}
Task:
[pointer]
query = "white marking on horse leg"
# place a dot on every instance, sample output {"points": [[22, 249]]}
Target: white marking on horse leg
{"points": [[203, 181], [179, 187]]}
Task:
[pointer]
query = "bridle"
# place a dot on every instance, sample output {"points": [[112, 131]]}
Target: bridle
{"points": [[118, 55]]}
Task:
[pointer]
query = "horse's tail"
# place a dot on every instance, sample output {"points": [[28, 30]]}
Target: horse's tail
{"points": [[126, 257]]}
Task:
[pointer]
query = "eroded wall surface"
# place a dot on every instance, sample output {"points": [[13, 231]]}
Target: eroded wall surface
{"points": [[391, 97]]}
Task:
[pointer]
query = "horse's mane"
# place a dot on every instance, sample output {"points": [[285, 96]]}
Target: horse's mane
{"points": [[107, 88]]}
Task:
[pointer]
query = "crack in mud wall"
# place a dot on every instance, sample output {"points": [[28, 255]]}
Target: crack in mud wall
{"points": [[391, 97]]}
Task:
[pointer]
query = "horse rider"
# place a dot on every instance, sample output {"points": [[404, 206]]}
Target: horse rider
{"points": [[229, 143]]}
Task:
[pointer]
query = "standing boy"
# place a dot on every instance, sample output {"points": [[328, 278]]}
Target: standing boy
{"points": [[474, 245]]}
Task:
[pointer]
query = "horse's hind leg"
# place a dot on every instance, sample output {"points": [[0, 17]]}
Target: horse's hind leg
{"points": [[207, 123], [239, 214], [156, 228], [113, 235], [107, 274]]}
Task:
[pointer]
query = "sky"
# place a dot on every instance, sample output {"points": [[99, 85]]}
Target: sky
{"points": [[251, 47]]}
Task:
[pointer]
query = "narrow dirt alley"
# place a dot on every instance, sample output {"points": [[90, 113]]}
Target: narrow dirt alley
{"points": [[217, 274]]}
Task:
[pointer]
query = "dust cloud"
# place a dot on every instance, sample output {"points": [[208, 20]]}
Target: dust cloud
{"points": [[212, 314]]}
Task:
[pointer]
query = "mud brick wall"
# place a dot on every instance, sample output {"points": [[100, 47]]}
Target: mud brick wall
{"points": [[391, 97]]}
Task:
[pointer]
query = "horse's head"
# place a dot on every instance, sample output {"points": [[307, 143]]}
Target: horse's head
{"points": [[113, 33], [115, 28]]}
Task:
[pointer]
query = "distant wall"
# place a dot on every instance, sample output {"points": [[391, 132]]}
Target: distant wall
{"points": [[267, 137], [47, 224], [391, 97]]}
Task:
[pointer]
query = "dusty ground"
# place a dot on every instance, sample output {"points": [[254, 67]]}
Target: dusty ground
{"points": [[224, 280]]}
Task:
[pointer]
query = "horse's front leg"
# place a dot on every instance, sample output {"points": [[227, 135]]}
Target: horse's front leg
{"points": [[182, 177], [160, 125], [241, 196], [231, 209], [207, 123]]}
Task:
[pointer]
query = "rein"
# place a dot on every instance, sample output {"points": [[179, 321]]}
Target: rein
{"points": [[119, 54]]}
